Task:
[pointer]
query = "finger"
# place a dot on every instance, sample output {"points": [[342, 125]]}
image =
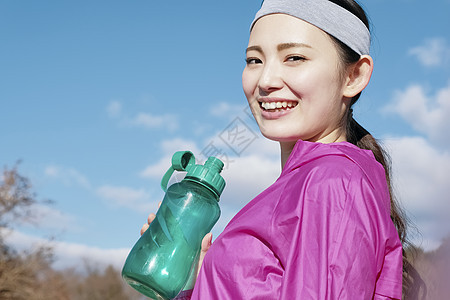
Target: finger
{"points": [[150, 218], [159, 204], [206, 243], [144, 228]]}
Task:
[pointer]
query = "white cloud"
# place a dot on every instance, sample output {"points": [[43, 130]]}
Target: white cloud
{"points": [[114, 109], [421, 180], [120, 196], [48, 217], [421, 164], [149, 121], [428, 114], [141, 119], [173, 145], [228, 111], [249, 175], [158, 169], [116, 196], [68, 176], [45, 218], [168, 147], [246, 176], [69, 255], [433, 53]]}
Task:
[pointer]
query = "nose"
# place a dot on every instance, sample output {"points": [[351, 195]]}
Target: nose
{"points": [[270, 79]]}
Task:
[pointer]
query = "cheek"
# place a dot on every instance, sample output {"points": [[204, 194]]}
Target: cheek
{"points": [[249, 83], [312, 84]]}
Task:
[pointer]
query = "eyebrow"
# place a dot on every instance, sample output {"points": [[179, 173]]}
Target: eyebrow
{"points": [[254, 48], [285, 46], [280, 47]]}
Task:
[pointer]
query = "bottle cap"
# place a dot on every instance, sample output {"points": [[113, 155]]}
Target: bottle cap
{"points": [[207, 174]]}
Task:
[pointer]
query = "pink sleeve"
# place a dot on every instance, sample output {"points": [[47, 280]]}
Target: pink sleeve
{"points": [[184, 295], [338, 251], [380, 297]]}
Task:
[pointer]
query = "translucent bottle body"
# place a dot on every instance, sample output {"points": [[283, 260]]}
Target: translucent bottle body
{"points": [[160, 263]]}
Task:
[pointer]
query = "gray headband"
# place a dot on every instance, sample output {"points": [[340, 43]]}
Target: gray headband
{"points": [[326, 15]]}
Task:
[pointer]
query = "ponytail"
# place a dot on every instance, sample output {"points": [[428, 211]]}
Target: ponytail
{"points": [[359, 136]]}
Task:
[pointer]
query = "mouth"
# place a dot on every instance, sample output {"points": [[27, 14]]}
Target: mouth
{"points": [[277, 106]]}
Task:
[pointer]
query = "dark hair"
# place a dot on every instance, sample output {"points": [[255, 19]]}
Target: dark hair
{"points": [[357, 135]]}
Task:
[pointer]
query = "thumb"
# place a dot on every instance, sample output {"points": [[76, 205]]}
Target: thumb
{"points": [[206, 243]]}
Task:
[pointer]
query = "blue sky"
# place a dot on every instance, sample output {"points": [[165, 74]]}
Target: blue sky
{"points": [[95, 97]]}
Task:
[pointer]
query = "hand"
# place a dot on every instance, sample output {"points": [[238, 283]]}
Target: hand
{"points": [[206, 241]]}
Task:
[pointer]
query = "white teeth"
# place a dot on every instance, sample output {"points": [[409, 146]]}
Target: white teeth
{"points": [[275, 105]]}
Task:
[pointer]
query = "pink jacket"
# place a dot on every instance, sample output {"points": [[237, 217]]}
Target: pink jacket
{"points": [[321, 231]]}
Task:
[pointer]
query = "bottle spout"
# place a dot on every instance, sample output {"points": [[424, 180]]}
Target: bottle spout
{"points": [[214, 164], [181, 161]]}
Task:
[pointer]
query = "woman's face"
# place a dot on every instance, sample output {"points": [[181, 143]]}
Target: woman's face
{"points": [[293, 81]]}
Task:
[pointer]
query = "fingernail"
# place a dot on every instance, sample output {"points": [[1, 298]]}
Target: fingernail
{"points": [[210, 239]]}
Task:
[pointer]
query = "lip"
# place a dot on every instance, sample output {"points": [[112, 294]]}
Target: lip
{"points": [[276, 114]]}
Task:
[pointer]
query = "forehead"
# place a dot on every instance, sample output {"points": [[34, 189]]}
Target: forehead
{"points": [[282, 28]]}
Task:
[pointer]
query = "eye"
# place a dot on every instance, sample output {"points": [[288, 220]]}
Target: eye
{"points": [[252, 61], [295, 58]]}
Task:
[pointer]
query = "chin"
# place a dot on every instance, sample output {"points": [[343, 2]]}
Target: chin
{"points": [[273, 136]]}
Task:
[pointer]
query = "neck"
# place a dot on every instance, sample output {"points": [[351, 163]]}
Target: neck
{"points": [[286, 149]]}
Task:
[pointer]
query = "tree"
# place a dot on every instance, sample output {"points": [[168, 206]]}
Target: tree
{"points": [[16, 196], [98, 284], [29, 275], [21, 274]]}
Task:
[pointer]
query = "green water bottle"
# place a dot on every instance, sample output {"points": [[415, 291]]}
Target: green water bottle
{"points": [[164, 259]]}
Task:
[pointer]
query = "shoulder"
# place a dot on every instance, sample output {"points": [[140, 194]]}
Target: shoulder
{"points": [[341, 171], [327, 168], [320, 157], [344, 161]]}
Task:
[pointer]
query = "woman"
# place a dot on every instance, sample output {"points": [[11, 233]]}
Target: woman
{"points": [[325, 229]]}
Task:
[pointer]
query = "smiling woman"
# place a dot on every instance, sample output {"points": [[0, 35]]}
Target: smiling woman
{"points": [[329, 227], [295, 65]]}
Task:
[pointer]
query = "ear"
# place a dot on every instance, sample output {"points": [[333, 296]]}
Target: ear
{"points": [[358, 76]]}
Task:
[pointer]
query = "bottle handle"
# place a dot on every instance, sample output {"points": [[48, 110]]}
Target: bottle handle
{"points": [[181, 161]]}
